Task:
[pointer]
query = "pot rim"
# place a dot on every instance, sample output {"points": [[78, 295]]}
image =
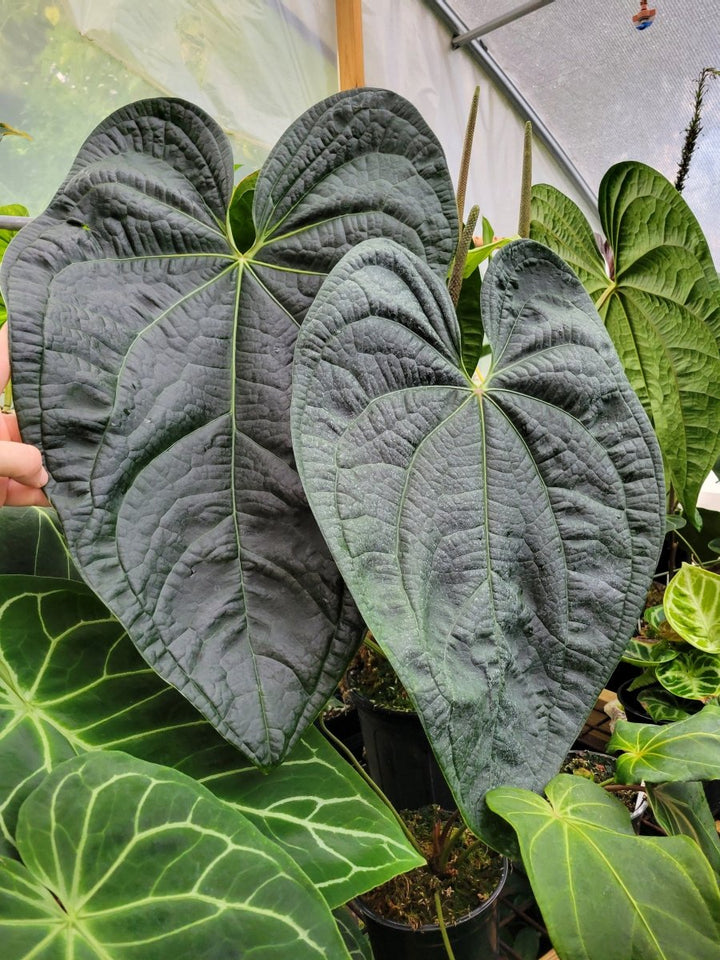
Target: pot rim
{"points": [[365, 912]]}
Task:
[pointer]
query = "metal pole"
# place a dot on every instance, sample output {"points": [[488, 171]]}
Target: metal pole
{"points": [[501, 21], [518, 101], [14, 223]]}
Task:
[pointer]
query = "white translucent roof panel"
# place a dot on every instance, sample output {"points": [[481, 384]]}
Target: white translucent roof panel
{"points": [[609, 92]]}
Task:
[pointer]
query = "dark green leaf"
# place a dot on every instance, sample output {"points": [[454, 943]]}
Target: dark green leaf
{"points": [[152, 363], [685, 750], [682, 809], [240, 221], [674, 522], [663, 706], [470, 321], [661, 306], [71, 682], [144, 862], [645, 653], [355, 939], [714, 545], [498, 538], [603, 891], [31, 542]]}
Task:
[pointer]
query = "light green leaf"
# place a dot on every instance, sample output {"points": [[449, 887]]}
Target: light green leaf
{"points": [[478, 255], [686, 750], [12, 210], [693, 674], [659, 899], [682, 809], [146, 863], [645, 653], [692, 607], [71, 681], [660, 302]]}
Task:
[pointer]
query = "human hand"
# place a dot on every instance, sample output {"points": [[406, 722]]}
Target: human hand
{"points": [[22, 474]]}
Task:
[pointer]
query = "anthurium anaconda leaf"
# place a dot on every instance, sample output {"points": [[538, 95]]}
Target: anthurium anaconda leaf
{"points": [[660, 898], [499, 538], [682, 809], [660, 300], [685, 750], [124, 858], [72, 682], [692, 606], [151, 362]]}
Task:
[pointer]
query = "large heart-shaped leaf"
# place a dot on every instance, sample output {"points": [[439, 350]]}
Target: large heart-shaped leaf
{"points": [[660, 898], [152, 361], [123, 858], [685, 750], [71, 682], [692, 606], [660, 300], [499, 538]]}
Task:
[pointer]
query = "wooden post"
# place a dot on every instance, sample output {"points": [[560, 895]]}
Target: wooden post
{"points": [[351, 64]]}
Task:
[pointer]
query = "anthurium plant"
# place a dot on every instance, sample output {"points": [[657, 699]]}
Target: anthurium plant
{"points": [[497, 532], [679, 648], [653, 281], [661, 895], [205, 849]]}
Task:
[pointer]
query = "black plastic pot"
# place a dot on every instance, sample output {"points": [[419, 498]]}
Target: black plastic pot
{"points": [[399, 757], [475, 937], [611, 762]]}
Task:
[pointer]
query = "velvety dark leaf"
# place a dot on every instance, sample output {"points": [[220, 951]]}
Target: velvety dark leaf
{"points": [[498, 538], [603, 891], [470, 321], [123, 858], [152, 364], [72, 682]]}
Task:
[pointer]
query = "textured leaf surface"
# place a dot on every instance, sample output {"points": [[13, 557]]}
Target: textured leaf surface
{"points": [[692, 607], [152, 365], [682, 809], [499, 540], [661, 306], [660, 899], [71, 681], [686, 750], [146, 863]]}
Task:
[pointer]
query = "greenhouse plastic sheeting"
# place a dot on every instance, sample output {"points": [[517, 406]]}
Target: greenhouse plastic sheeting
{"points": [[254, 65]]}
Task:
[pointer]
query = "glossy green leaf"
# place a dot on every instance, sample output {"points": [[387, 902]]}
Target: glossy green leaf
{"points": [[478, 255], [240, 220], [663, 706], [356, 940], [11, 210], [686, 750], [71, 682], [124, 858], [31, 542], [646, 653], [499, 539], [661, 305], [693, 675], [152, 363], [682, 809], [692, 607], [603, 891]]}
